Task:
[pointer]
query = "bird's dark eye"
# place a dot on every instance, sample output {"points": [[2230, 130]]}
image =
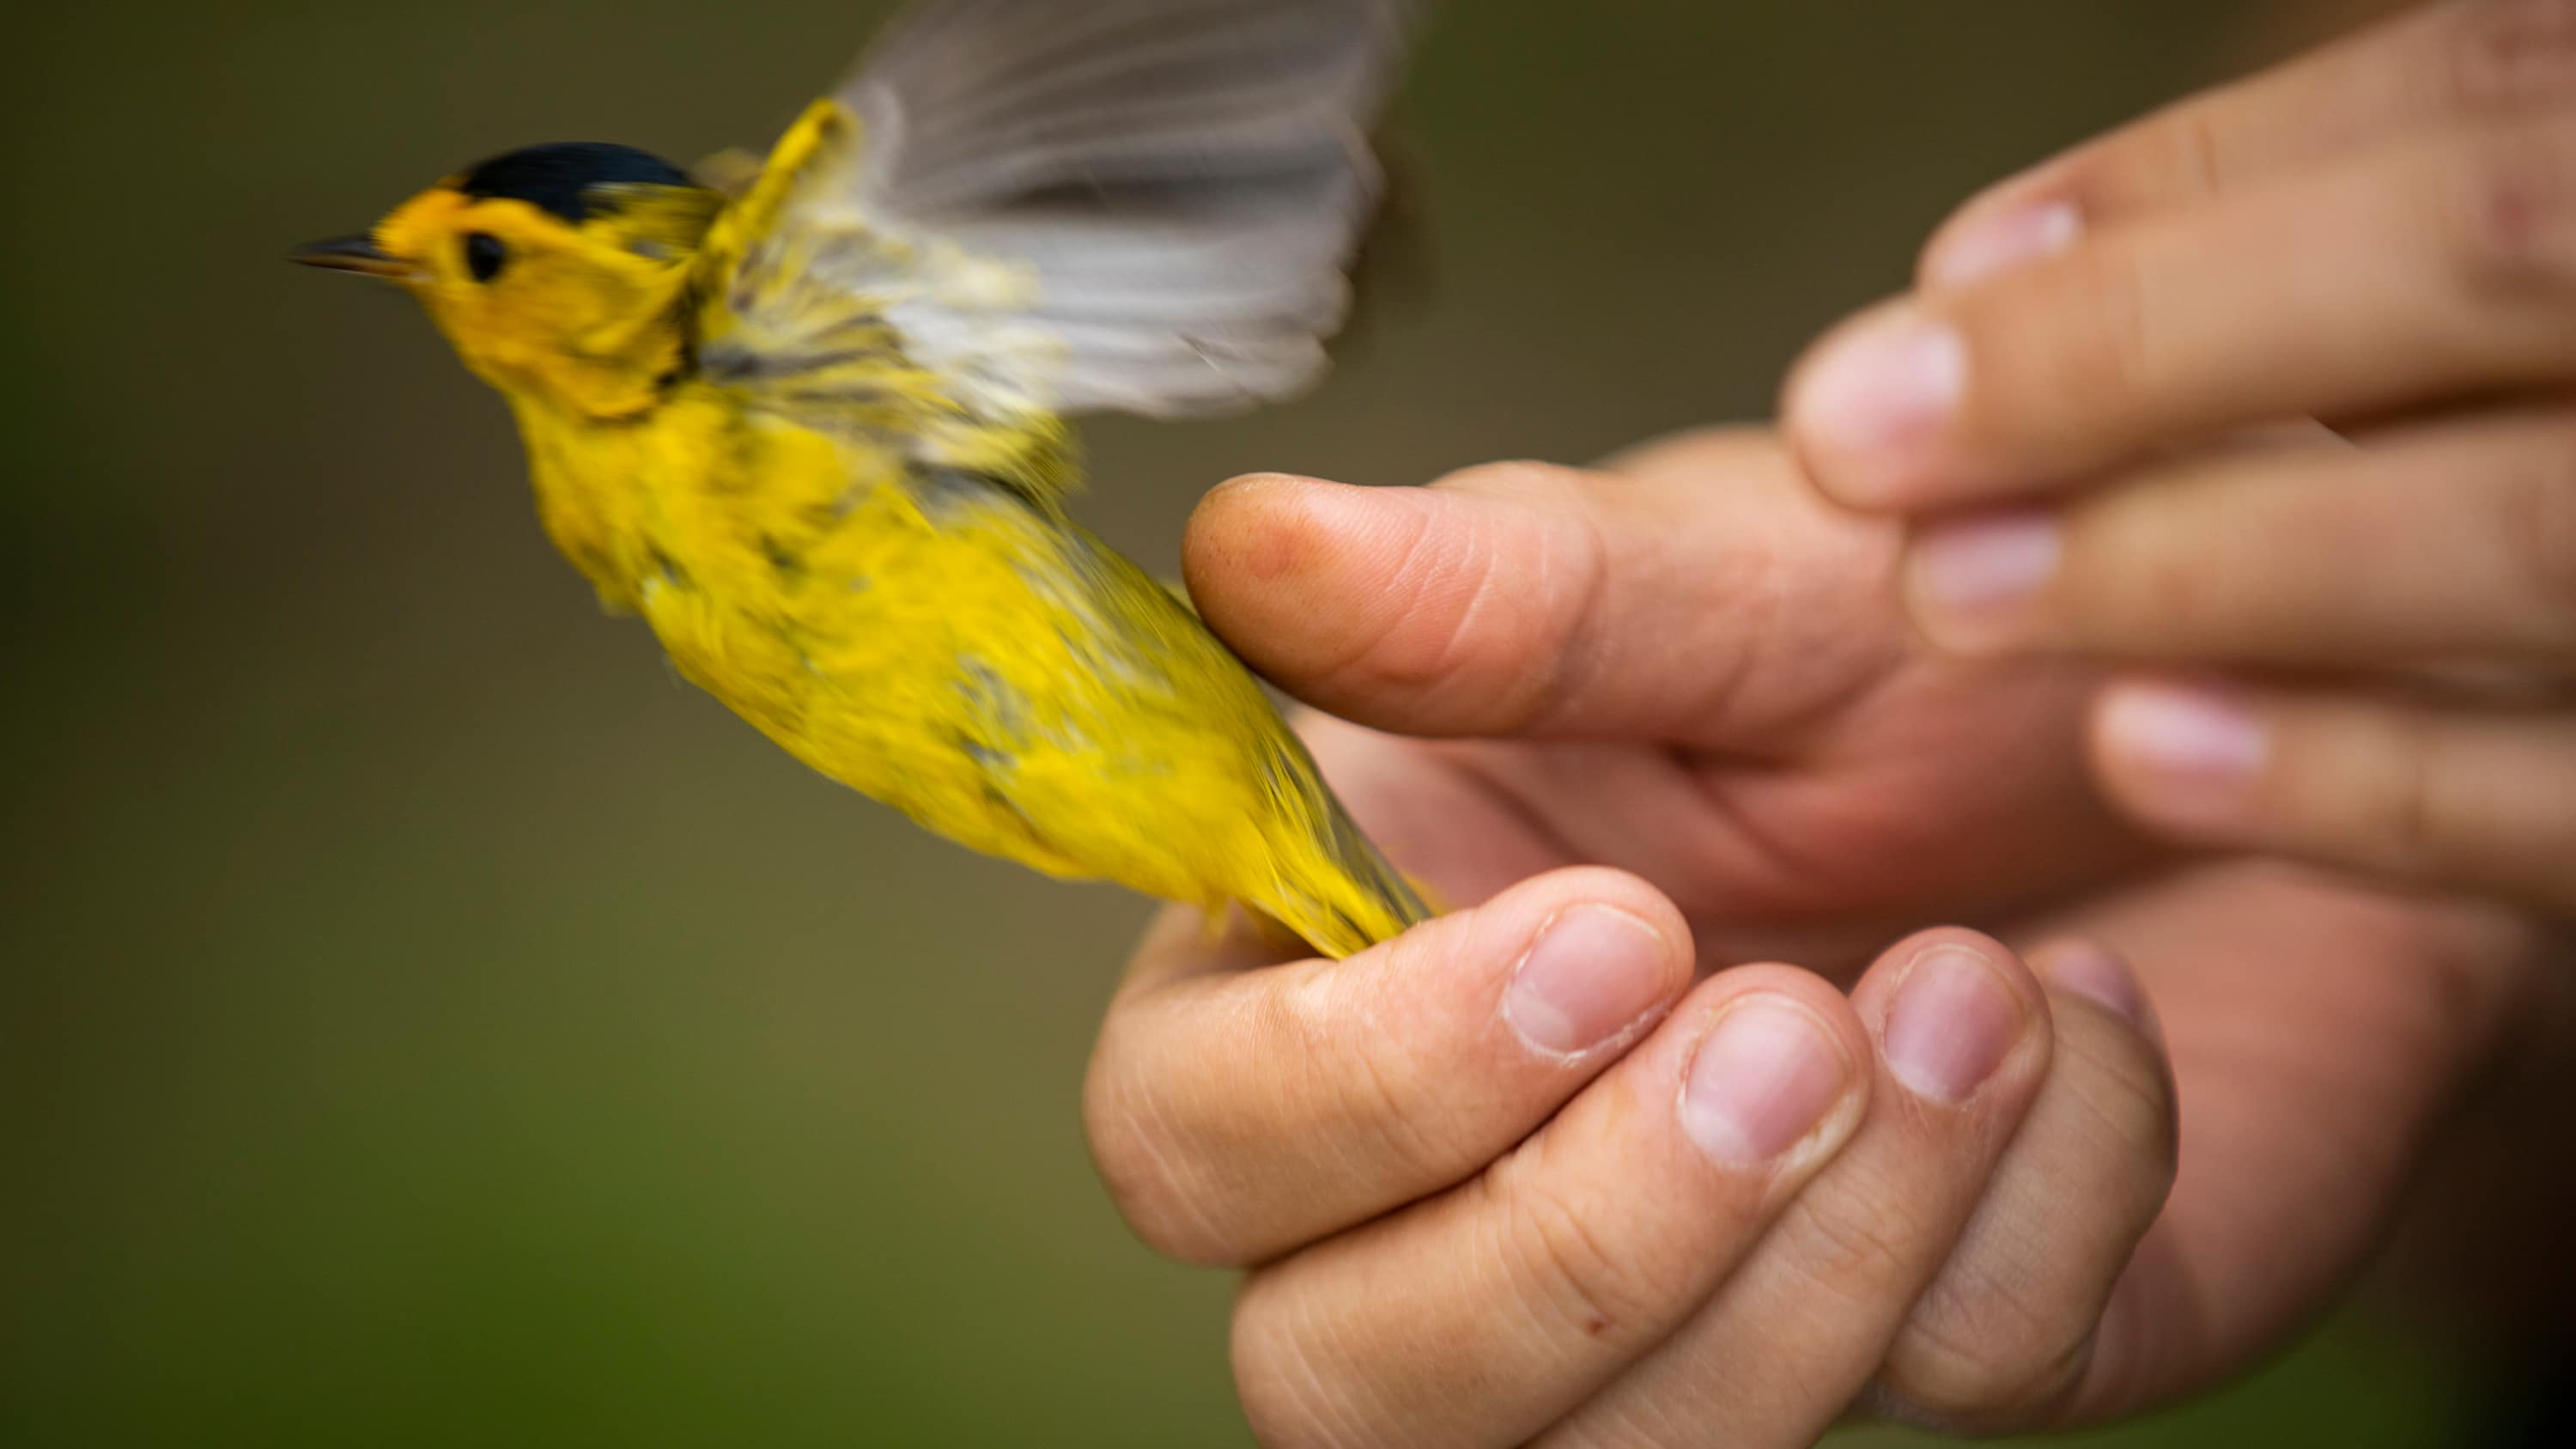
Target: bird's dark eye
{"points": [[484, 255]]}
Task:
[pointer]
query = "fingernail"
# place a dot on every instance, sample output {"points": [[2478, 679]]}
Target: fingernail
{"points": [[1973, 582], [2197, 748], [1889, 383], [1762, 1080], [1595, 972], [2013, 237], [1951, 1024], [2083, 969]]}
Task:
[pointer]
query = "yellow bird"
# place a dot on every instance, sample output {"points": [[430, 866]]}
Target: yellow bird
{"points": [[811, 430]]}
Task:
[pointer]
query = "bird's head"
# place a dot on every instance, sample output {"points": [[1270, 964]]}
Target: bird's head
{"points": [[557, 271]]}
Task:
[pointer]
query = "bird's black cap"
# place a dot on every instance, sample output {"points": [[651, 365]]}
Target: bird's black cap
{"points": [[559, 177]]}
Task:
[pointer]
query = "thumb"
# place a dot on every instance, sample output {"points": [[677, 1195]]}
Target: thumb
{"points": [[1698, 593]]}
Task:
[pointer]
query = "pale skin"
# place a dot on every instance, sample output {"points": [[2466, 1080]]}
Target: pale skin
{"points": [[1478, 1209], [2360, 649], [1559, 1169]]}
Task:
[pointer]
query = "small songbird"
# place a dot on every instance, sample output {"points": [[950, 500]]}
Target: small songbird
{"points": [[810, 427]]}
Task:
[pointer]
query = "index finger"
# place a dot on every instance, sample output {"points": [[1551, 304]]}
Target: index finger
{"points": [[2433, 268], [1238, 1113], [2430, 66]]}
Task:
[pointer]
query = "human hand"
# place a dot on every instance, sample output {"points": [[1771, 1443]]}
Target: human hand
{"points": [[1373, 1132], [2382, 234], [1495, 1186], [1681, 664], [1512, 1179]]}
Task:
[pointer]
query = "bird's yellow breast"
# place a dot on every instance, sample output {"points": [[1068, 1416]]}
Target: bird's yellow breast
{"points": [[782, 569], [940, 642]]}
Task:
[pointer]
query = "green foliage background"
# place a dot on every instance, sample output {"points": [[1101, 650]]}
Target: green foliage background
{"points": [[425, 1022]]}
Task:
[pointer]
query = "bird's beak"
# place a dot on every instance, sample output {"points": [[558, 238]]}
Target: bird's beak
{"points": [[350, 254]]}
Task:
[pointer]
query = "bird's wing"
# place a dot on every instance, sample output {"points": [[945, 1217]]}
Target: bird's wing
{"points": [[1060, 206]]}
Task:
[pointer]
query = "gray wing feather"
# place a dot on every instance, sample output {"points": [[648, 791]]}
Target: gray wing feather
{"points": [[1140, 205]]}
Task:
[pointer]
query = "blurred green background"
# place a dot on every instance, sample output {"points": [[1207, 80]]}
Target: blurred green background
{"points": [[427, 1022]]}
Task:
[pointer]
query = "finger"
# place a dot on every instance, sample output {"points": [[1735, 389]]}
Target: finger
{"points": [[2427, 269], [1960, 1040], [1235, 1114], [2434, 66], [1482, 1315], [2450, 540], [1705, 598], [2298, 1143], [2004, 1337], [2485, 800]]}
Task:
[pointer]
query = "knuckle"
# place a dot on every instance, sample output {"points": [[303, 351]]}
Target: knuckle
{"points": [[1136, 1150], [1693, 453], [1532, 578], [1974, 1355], [1288, 1398], [1379, 1091], [2129, 1097], [2114, 355], [2405, 816], [2539, 523], [1856, 1238], [1555, 1250], [2143, 563], [1516, 478], [2199, 151], [2509, 55], [2513, 214]]}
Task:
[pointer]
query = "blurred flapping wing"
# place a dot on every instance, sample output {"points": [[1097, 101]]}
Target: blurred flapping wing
{"points": [[1061, 206]]}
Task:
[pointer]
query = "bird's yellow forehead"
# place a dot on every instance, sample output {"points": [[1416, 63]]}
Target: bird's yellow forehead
{"points": [[416, 229], [412, 225]]}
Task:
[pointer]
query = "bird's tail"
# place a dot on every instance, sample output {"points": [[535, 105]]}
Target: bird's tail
{"points": [[1391, 890], [1356, 900]]}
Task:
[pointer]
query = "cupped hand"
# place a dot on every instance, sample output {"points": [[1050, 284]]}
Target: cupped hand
{"points": [[1513, 1178], [1516, 1177], [2382, 235]]}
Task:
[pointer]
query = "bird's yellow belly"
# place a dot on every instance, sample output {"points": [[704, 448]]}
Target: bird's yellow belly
{"points": [[977, 673]]}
